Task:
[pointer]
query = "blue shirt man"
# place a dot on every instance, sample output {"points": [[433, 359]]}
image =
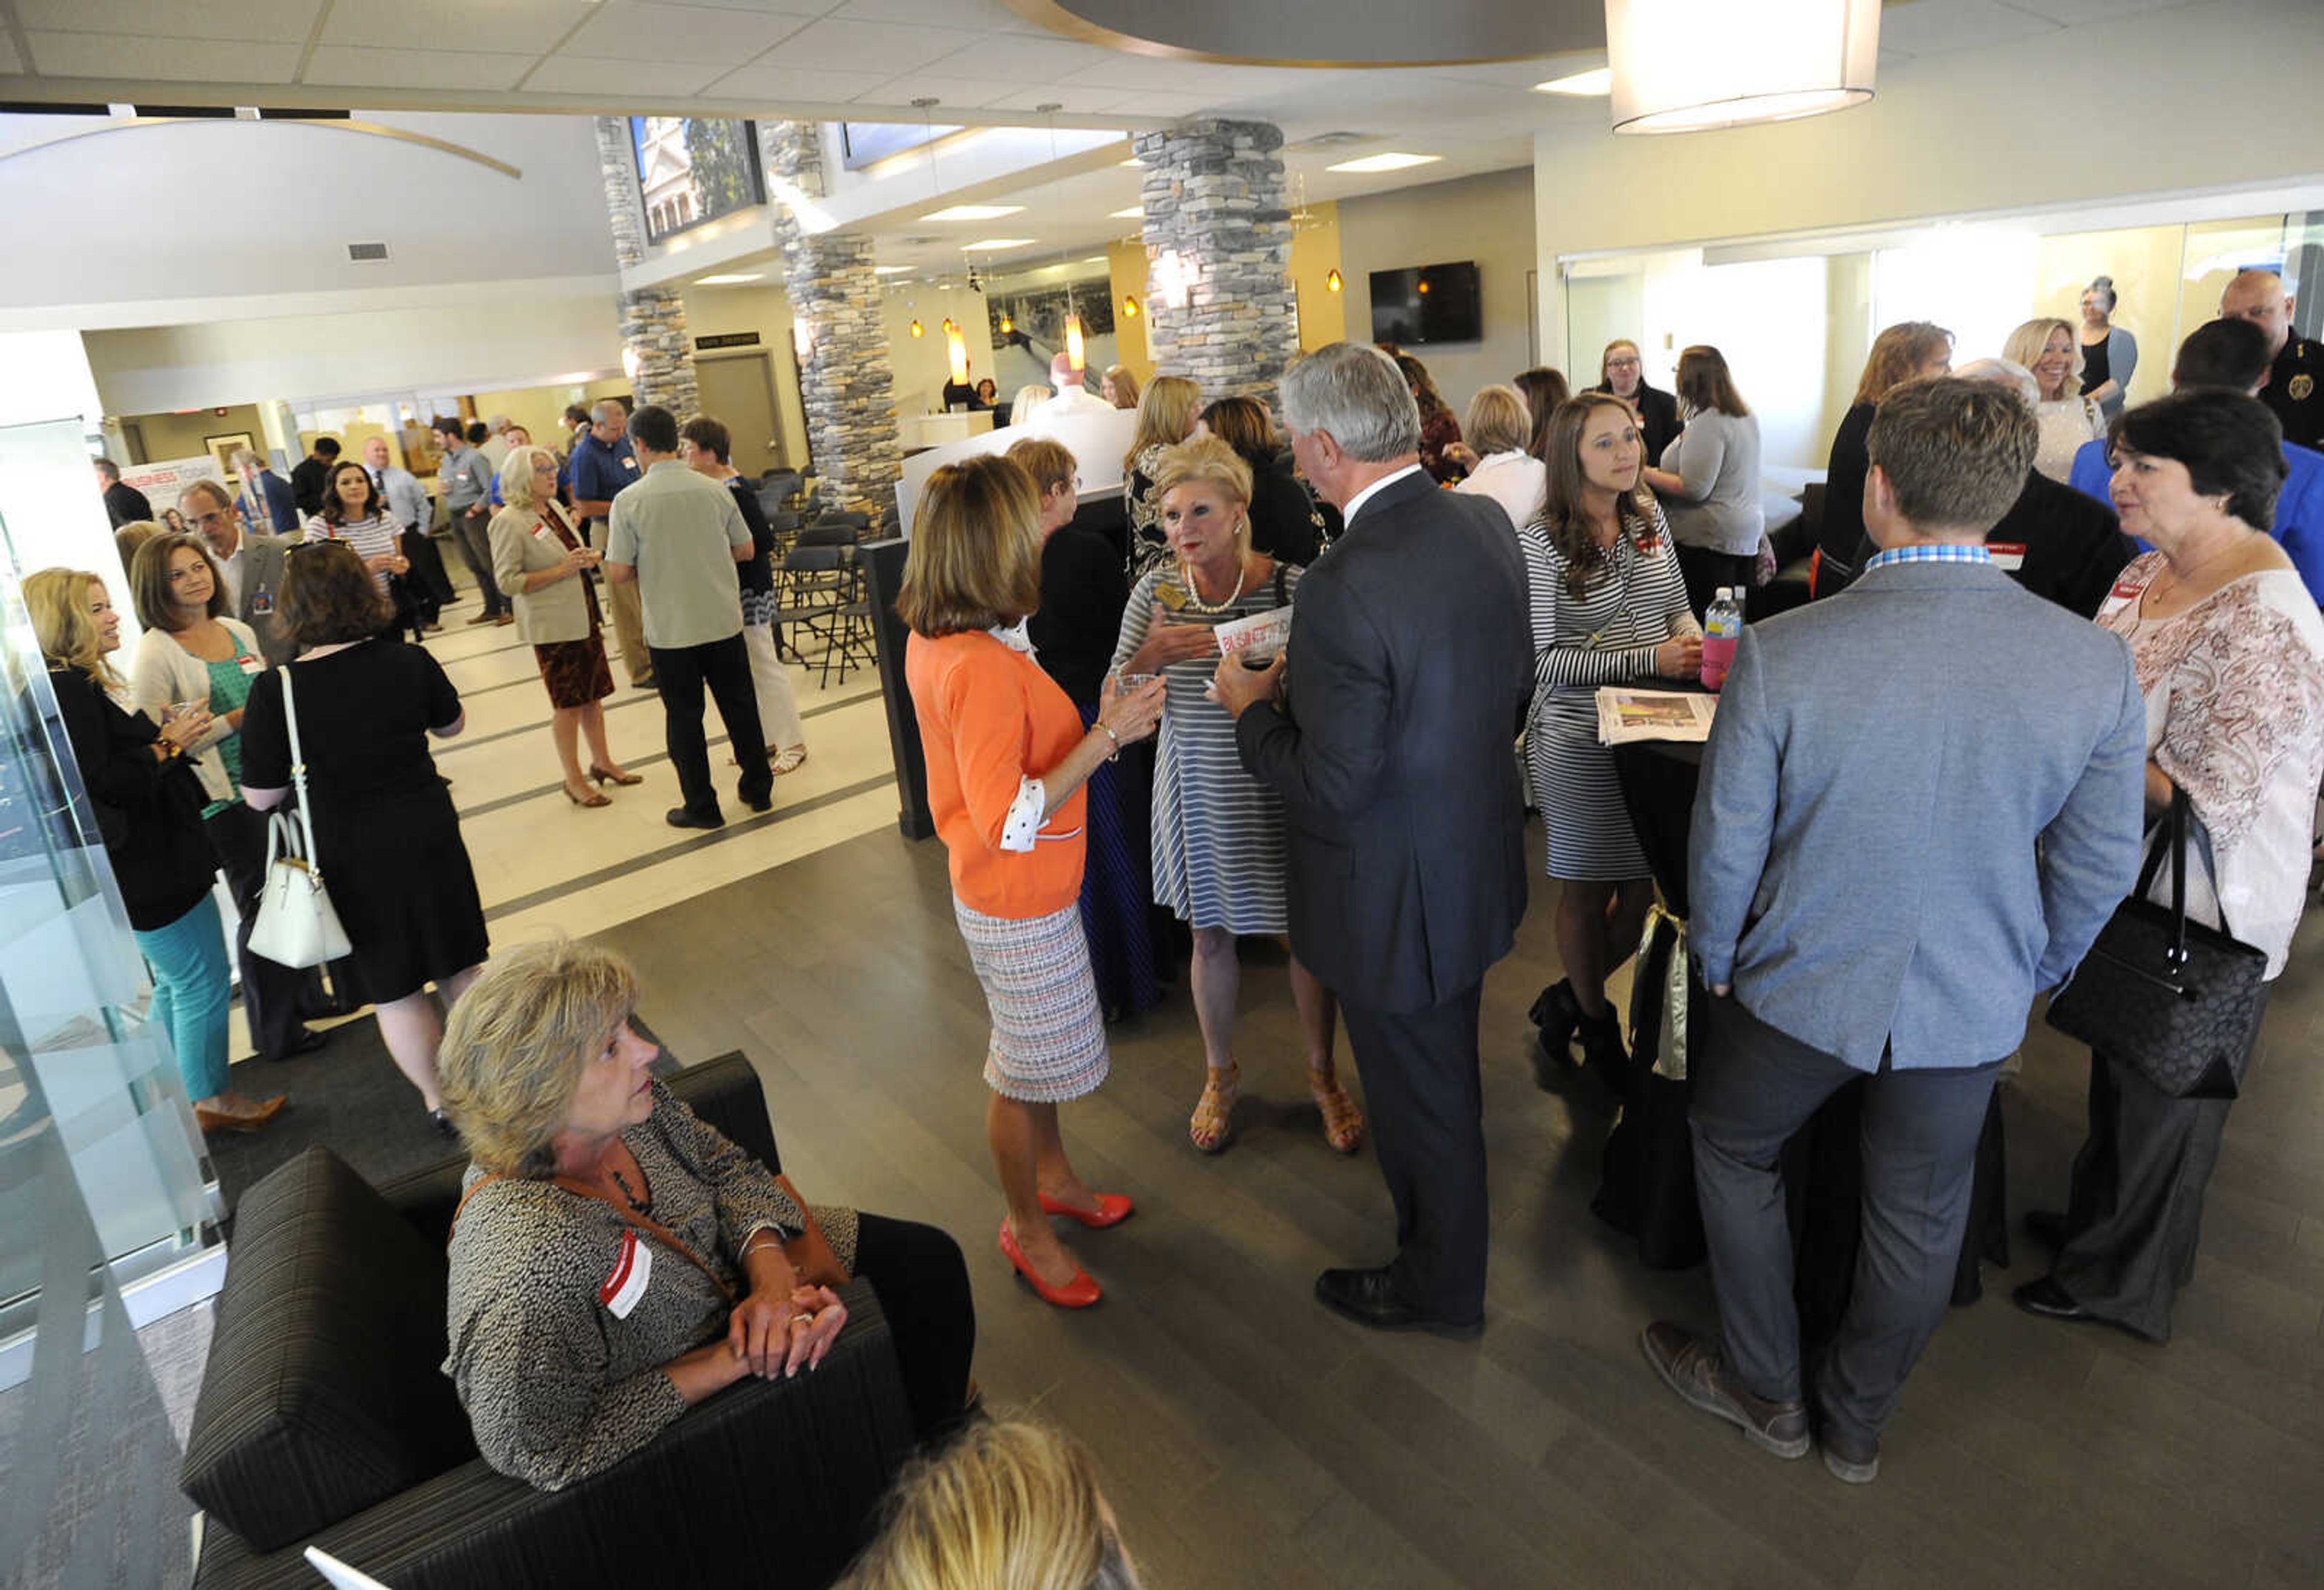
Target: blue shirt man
{"points": [[602, 463]]}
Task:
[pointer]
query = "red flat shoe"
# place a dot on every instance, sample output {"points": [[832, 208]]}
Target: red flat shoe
{"points": [[1079, 1292], [1112, 1210]]}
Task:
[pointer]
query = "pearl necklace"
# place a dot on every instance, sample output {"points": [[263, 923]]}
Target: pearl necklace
{"points": [[1194, 597]]}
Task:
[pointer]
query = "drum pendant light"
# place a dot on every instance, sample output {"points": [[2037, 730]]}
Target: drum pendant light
{"points": [[1686, 65]]}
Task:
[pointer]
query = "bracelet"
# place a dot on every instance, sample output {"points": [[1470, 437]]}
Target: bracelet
{"points": [[1115, 754]]}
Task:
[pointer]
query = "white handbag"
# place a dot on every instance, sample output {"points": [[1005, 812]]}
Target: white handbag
{"points": [[296, 926]]}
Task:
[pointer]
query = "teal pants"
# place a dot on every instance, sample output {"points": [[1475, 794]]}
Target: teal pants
{"points": [[191, 994]]}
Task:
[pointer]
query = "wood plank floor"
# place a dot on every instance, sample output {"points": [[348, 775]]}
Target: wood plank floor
{"points": [[1248, 1438]]}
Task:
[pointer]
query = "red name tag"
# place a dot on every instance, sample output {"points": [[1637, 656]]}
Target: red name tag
{"points": [[633, 1268], [2006, 555]]}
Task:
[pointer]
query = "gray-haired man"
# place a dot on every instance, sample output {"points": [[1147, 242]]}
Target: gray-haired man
{"points": [[1385, 729]]}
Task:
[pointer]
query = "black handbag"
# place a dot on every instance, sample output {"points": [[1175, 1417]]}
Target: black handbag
{"points": [[2175, 1001]]}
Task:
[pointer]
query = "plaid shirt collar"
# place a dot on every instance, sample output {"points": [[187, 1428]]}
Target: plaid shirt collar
{"points": [[1937, 552]]}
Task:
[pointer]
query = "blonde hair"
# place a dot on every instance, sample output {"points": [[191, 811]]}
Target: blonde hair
{"points": [[1030, 393], [516, 475], [129, 536], [975, 558], [2026, 345], [1049, 462], [57, 601], [1166, 412], [1498, 421], [1009, 1505], [1125, 385], [1202, 461], [518, 1042]]}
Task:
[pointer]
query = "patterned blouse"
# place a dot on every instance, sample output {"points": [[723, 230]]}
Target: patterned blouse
{"points": [[1637, 601], [2235, 715], [561, 1314], [1148, 544]]}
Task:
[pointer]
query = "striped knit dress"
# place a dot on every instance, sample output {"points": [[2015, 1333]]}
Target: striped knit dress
{"points": [[1217, 845], [1637, 601]]}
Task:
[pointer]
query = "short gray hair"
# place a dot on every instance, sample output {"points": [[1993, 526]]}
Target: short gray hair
{"points": [[2004, 372], [1354, 394], [246, 460], [604, 410], [516, 475]]}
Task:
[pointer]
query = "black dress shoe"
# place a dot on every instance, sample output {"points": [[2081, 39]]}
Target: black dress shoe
{"points": [[765, 803], [307, 1041], [679, 817], [1369, 1297], [2047, 1299]]}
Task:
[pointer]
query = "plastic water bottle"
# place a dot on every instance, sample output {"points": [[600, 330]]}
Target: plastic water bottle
{"points": [[1722, 625]]}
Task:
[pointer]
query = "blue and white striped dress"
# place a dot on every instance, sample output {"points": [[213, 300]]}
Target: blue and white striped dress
{"points": [[1637, 601], [1219, 855]]}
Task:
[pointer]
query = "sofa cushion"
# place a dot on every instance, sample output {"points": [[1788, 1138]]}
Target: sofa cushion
{"points": [[324, 1391]]}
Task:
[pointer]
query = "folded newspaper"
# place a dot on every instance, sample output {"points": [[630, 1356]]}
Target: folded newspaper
{"points": [[1625, 716], [1265, 633]]}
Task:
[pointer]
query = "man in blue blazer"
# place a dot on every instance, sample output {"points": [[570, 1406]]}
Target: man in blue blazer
{"points": [[2233, 353], [1920, 802], [1410, 665], [266, 502]]}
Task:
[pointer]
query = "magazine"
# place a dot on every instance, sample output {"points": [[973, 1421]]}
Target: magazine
{"points": [[1262, 633], [1625, 716]]}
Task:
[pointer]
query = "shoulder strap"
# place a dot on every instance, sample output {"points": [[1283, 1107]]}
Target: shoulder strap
{"points": [[645, 1223], [1281, 598]]}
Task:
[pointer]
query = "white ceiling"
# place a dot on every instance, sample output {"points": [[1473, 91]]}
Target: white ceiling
{"points": [[863, 59]]}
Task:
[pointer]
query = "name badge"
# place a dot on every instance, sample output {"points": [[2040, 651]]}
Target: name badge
{"points": [[262, 605], [2009, 556], [632, 1269], [628, 462], [250, 666]]}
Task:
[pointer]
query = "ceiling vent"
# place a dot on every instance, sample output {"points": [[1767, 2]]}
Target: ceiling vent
{"points": [[366, 253], [1331, 141]]}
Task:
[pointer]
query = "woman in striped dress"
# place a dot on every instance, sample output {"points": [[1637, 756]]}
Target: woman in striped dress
{"points": [[1007, 758], [1218, 855], [1609, 608], [353, 512]]}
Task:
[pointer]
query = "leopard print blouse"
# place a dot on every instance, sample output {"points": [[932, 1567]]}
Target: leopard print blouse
{"points": [[558, 1384]]}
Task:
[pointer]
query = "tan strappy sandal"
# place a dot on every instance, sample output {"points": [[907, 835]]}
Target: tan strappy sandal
{"points": [[1210, 1124], [1343, 1122]]}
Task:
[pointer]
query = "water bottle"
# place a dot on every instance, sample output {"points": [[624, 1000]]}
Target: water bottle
{"points": [[1722, 624]]}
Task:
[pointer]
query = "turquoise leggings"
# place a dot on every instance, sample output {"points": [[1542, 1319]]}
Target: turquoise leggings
{"points": [[190, 994]]}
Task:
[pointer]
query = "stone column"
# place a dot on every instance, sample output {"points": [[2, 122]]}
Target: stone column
{"points": [[844, 381], [653, 318], [1219, 306]]}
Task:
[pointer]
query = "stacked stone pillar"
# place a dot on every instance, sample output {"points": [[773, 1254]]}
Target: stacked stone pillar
{"points": [[653, 318], [845, 383], [1219, 306]]}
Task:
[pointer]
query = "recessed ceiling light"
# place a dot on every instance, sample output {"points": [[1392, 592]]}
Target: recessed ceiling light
{"points": [[995, 243], [1135, 212], [1600, 81], [1392, 161], [975, 212], [730, 280], [891, 270]]}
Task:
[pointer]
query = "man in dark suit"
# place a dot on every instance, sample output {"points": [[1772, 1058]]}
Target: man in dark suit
{"points": [[251, 564], [1386, 727], [124, 504], [266, 502], [308, 476]]}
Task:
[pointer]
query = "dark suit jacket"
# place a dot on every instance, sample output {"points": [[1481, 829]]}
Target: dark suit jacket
{"points": [[1411, 663], [266, 554], [126, 504], [306, 477], [2074, 547]]}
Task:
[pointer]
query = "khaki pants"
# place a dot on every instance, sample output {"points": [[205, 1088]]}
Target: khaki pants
{"points": [[630, 629]]}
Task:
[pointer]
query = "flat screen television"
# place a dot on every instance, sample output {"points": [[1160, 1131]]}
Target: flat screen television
{"points": [[694, 169], [1427, 304]]}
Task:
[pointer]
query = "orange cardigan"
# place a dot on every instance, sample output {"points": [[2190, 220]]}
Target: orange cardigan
{"points": [[988, 718]]}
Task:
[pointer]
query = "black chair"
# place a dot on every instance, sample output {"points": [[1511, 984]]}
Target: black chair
{"points": [[326, 1418], [857, 523], [817, 585]]}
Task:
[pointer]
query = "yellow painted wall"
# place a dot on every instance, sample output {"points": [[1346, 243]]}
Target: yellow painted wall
{"points": [[2145, 262], [1315, 255], [1125, 262], [180, 436]]}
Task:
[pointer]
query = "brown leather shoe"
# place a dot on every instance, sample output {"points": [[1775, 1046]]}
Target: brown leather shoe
{"points": [[1692, 1365], [218, 1120]]}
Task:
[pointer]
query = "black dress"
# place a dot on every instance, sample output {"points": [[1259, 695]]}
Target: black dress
{"points": [[1286, 522], [386, 831], [1842, 533], [148, 812]]}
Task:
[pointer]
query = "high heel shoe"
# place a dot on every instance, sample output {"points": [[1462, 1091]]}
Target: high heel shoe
{"points": [[1557, 1013], [1112, 1210], [592, 798], [1343, 1122], [1079, 1292], [1212, 1125], [217, 1120], [603, 775]]}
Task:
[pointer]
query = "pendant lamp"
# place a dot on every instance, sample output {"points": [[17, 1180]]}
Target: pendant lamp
{"points": [[955, 353], [1687, 66]]}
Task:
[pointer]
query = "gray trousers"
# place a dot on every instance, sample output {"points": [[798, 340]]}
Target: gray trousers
{"points": [[473, 535], [1754, 1087]]}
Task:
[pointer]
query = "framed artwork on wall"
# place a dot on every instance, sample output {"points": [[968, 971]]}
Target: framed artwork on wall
{"points": [[223, 449]]}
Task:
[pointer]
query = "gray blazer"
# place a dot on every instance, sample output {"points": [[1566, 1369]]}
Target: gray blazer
{"points": [[1863, 865], [266, 554], [558, 610]]}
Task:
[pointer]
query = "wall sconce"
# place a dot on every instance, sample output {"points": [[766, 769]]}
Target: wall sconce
{"points": [[1171, 279], [917, 329], [630, 363], [1331, 282], [802, 341], [1130, 305], [1007, 325]]}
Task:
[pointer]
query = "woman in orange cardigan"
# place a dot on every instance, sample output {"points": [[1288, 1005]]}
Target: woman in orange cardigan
{"points": [[1007, 758]]}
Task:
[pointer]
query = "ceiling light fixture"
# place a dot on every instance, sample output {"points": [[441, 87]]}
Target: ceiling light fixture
{"points": [[1394, 161], [917, 329], [733, 279], [989, 245], [975, 212], [1686, 65], [1582, 85], [956, 354]]}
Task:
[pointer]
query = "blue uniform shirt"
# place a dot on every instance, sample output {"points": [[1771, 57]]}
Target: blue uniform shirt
{"points": [[597, 472]]}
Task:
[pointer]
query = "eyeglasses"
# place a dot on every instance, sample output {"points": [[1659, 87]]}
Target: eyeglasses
{"points": [[1621, 364]]}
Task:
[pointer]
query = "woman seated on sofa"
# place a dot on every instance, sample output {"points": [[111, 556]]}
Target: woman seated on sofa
{"points": [[615, 1260]]}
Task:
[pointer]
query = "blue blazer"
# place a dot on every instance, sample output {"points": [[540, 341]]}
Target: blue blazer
{"points": [[278, 514], [1864, 865], [2299, 508]]}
